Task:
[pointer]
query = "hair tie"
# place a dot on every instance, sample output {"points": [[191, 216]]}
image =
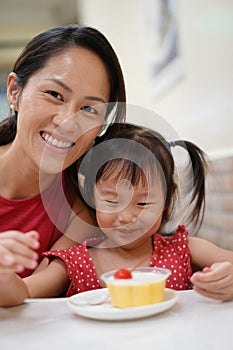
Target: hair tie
{"points": [[172, 143]]}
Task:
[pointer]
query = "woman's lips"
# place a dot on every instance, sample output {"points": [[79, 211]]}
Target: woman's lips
{"points": [[55, 142]]}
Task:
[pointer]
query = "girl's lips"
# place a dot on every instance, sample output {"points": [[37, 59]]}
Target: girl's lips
{"points": [[126, 231], [54, 142]]}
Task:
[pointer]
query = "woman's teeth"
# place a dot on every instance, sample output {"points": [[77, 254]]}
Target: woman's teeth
{"points": [[54, 142]]}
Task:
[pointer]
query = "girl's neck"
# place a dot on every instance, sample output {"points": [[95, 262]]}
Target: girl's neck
{"points": [[120, 257]]}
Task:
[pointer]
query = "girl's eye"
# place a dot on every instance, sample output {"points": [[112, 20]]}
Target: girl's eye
{"points": [[55, 94], [89, 109], [111, 202]]}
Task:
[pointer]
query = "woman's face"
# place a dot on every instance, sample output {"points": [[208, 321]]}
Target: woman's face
{"points": [[61, 109]]}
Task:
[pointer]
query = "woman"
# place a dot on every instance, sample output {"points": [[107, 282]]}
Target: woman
{"points": [[62, 88]]}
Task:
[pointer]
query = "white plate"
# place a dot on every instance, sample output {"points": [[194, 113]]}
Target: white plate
{"points": [[105, 311]]}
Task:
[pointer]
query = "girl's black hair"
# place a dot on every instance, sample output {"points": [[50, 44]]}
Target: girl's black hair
{"points": [[122, 152], [52, 42]]}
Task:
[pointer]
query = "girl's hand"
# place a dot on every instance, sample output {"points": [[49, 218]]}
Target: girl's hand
{"points": [[17, 252], [215, 281]]}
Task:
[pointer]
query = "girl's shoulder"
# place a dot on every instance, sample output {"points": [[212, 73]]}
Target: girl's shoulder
{"points": [[71, 253], [180, 236], [176, 244]]}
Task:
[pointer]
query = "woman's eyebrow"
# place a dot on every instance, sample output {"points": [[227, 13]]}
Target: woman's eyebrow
{"points": [[67, 88], [63, 85], [95, 98]]}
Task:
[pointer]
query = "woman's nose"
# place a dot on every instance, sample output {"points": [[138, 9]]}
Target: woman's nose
{"points": [[63, 118], [67, 121]]}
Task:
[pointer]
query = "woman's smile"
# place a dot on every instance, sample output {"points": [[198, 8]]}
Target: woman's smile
{"points": [[56, 142]]}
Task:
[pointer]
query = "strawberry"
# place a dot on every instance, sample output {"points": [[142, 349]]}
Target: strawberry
{"points": [[123, 274]]}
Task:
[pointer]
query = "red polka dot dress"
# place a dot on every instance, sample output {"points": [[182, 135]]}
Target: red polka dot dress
{"points": [[171, 252]]}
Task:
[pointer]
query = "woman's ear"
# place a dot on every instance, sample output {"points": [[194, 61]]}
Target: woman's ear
{"points": [[13, 90]]}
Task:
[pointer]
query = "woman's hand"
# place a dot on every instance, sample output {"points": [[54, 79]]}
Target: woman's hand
{"points": [[17, 252], [215, 281]]}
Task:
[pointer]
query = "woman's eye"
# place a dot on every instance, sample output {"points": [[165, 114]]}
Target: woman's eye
{"points": [[89, 109], [144, 204], [55, 94]]}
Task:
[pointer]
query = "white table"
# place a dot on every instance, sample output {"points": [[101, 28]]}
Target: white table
{"points": [[194, 322]]}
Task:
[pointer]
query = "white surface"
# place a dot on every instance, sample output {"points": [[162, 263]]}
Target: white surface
{"points": [[193, 323], [105, 311]]}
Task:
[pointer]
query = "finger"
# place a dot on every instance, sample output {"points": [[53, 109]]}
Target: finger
{"points": [[210, 276], [33, 239], [6, 258], [224, 283], [19, 243], [29, 239], [19, 255], [19, 249], [208, 294], [221, 296]]}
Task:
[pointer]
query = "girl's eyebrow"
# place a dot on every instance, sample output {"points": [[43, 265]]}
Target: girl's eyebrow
{"points": [[111, 191], [106, 191], [67, 88]]}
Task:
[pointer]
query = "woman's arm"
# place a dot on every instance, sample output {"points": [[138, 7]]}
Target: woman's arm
{"points": [[17, 252], [53, 281]]}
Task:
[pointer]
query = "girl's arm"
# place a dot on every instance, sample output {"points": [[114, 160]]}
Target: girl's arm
{"points": [[216, 278], [53, 281]]}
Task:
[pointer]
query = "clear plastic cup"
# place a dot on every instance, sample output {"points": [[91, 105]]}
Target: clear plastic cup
{"points": [[146, 287]]}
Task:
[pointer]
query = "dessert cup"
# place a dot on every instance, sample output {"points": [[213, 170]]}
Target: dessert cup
{"points": [[146, 287]]}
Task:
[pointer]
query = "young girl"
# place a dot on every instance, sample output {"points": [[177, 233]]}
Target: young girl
{"points": [[132, 188]]}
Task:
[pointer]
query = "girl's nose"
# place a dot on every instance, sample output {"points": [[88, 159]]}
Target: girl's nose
{"points": [[127, 216]]}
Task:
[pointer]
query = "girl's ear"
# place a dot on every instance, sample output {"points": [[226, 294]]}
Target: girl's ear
{"points": [[13, 90]]}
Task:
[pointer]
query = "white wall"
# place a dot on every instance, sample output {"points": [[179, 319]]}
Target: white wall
{"points": [[200, 104]]}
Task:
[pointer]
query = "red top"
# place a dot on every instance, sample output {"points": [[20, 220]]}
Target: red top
{"points": [[47, 213], [171, 252]]}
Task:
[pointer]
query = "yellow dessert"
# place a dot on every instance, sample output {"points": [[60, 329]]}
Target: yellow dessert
{"points": [[145, 286]]}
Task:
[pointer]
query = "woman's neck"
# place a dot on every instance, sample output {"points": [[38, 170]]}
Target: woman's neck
{"points": [[20, 179]]}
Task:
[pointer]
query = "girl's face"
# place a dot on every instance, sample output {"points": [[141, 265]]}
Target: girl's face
{"points": [[61, 109], [128, 216]]}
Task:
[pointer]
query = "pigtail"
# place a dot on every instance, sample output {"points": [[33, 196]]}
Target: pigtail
{"points": [[196, 173]]}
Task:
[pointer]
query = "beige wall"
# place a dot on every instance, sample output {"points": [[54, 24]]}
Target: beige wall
{"points": [[200, 104]]}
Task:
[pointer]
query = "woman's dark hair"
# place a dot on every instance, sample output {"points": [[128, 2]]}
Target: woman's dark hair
{"points": [[122, 153], [52, 42]]}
